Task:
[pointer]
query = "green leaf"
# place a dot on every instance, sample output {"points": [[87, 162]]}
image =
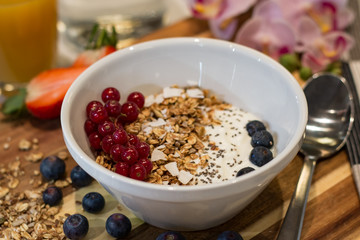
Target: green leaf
{"points": [[100, 37], [93, 33], [15, 105]]}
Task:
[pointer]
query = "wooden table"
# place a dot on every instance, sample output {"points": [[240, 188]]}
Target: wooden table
{"points": [[333, 210]]}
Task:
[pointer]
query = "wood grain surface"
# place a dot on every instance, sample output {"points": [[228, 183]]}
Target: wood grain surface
{"points": [[333, 210]]}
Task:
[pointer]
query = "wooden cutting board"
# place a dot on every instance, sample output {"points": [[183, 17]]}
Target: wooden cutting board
{"points": [[333, 210]]}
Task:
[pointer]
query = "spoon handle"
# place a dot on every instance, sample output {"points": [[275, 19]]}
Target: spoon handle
{"points": [[293, 221]]}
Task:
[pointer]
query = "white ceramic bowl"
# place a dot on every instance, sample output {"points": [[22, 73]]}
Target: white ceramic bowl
{"points": [[239, 75]]}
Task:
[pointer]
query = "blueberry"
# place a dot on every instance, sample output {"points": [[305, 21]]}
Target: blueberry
{"points": [[244, 171], [52, 167], [118, 225], [260, 156], [52, 196], [76, 226], [229, 235], [170, 235], [254, 126], [262, 138], [79, 177], [93, 202]]}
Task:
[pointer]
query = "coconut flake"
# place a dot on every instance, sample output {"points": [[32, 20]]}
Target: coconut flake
{"points": [[149, 100], [164, 112], [172, 168], [157, 155], [147, 130], [195, 93], [176, 154], [161, 147], [184, 176], [192, 83], [156, 123], [168, 128], [169, 92], [159, 98]]}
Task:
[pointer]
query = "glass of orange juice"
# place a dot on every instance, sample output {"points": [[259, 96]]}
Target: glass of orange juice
{"points": [[28, 39]]}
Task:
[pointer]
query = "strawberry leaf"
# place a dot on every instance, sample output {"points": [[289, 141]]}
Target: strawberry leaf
{"points": [[100, 37], [15, 105]]}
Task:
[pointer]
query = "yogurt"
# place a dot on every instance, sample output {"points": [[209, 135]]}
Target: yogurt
{"points": [[228, 146]]}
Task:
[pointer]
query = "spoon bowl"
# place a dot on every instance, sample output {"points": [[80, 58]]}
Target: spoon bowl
{"points": [[330, 119], [330, 115]]}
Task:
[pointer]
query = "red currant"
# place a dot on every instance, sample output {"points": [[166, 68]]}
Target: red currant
{"points": [[143, 149], [106, 143], [138, 98], [91, 105], [147, 164], [106, 127], [118, 123], [122, 168], [90, 126], [138, 172], [110, 93], [129, 112], [133, 139], [113, 108], [115, 152], [105, 131], [98, 114], [95, 140], [120, 136], [129, 155]]}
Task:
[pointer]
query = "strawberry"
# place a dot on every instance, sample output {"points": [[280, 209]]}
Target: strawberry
{"points": [[90, 56], [46, 91], [99, 45]]}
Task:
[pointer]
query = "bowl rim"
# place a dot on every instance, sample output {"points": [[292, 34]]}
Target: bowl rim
{"points": [[106, 175]]}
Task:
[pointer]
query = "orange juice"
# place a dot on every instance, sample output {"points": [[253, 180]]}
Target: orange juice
{"points": [[27, 39]]}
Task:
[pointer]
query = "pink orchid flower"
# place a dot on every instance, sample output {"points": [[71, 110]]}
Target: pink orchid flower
{"points": [[320, 49], [330, 15], [221, 14], [267, 31]]}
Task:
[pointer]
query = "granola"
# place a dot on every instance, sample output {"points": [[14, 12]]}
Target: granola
{"points": [[173, 124]]}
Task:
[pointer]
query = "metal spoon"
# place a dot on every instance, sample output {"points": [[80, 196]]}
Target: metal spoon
{"points": [[330, 108]]}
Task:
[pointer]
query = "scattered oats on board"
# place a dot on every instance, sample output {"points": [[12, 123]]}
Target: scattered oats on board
{"points": [[6, 146], [34, 157], [35, 141], [63, 155], [3, 192], [62, 183], [13, 182], [24, 145], [23, 215]]}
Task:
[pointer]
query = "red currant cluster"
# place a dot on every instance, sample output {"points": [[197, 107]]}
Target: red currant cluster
{"points": [[105, 129]]}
